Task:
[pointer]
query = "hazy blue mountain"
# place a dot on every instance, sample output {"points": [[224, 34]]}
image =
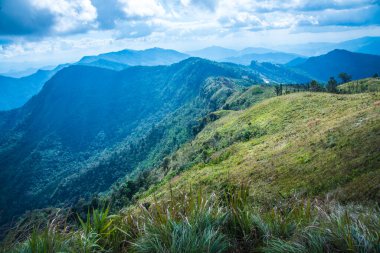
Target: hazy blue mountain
{"points": [[274, 57], [20, 73], [369, 45], [296, 61], [14, 92], [214, 53], [101, 63], [256, 50], [275, 73], [331, 64], [148, 57], [244, 56], [88, 127]]}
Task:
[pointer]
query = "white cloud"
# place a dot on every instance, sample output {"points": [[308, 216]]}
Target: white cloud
{"points": [[70, 15], [142, 8], [180, 24]]}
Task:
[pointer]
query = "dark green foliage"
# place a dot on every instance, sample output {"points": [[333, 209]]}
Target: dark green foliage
{"points": [[278, 90], [315, 86], [332, 85], [344, 77]]}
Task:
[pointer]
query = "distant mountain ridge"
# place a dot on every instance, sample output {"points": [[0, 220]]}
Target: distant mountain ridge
{"points": [[148, 57], [14, 92], [214, 53], [273, 57], [337, 61], [244, 56], [367, 45]]}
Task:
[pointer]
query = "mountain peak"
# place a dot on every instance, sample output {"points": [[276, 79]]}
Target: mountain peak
{"points": [[147, 57], [340, 51], [359, 65]]}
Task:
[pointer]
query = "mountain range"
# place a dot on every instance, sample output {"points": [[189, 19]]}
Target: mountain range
{"points": [[89, 127], [323, 67], [244, 56], [16, 91], [148, 57], [367, 45], [286, 53]]}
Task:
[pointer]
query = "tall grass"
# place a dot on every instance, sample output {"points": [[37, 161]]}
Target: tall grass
{"points": [[187, 223], [229, 221]]}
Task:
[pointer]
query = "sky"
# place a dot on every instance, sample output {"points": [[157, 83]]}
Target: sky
{"points": [[35, 33]]}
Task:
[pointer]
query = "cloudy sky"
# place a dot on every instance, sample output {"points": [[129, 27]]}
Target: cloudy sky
{"points": [[45, 32]]}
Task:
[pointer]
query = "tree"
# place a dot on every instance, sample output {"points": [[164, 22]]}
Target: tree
{"points": [[315, 86], [375, 75], [331, 85], [278, 90], [345, 77]]}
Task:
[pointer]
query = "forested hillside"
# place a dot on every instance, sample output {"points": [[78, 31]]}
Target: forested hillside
{"points": [[89, 127], [266, 177]]}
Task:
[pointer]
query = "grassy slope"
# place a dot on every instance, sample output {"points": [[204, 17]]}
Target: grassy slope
{"points": [[363, 85], [310, 143]]}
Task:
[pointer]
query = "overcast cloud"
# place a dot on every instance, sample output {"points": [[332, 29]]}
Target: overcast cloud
{"points": [[62, 26]]}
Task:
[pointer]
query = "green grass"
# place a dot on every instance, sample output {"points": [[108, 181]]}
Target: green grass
{"points": [[225, 221], [363, 85], [307, 143]]}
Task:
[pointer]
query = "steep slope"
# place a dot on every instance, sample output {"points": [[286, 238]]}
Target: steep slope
{"points": [[15, 92], [148, 57], [89, 127], [337, 61], [307, 143]]}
